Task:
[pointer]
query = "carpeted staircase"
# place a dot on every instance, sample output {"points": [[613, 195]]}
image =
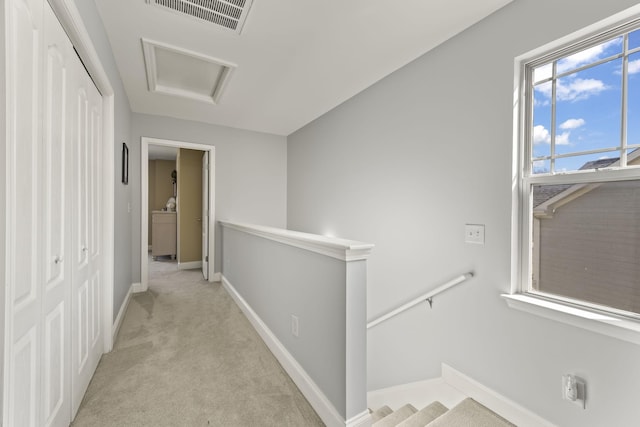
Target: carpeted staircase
{"points": [[467, 413]]}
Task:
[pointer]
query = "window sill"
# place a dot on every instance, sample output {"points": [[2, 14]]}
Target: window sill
{"points": [[612, 326]]}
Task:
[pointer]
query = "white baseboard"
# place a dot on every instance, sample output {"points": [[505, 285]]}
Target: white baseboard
{"points": [[189, 265], [419, 394], [360, 420], [121, 312], [217, 277], [499, 404], [136, 288], [307, 386]]}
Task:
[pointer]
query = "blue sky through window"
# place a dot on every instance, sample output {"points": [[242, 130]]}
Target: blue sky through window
{"points": [[588, 105]]}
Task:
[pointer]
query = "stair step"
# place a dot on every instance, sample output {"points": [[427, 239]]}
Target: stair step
{"points": [[396, 417], [380, 413], [470, 413], [425, 415]]}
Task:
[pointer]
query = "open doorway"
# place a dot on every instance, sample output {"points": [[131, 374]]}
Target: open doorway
{"points": [[193, 220]]}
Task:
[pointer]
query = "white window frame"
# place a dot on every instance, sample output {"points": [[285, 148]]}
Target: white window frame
{"points": [[580, 314]]}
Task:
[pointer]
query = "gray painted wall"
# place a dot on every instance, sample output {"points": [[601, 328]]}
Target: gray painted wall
{"points": [[278, 281], [404, 165], [3, 199], [251, 173]]}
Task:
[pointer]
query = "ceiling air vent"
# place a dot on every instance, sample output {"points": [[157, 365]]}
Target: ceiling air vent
{"points": [[229, 14]]}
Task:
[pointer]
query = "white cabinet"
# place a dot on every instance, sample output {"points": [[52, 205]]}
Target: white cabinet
{"points": [[163, 233], [53, 263]]}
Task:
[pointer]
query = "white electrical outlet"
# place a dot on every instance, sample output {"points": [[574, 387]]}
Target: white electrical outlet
{"points": [[295, 325], [574, 389], [474, 233]]}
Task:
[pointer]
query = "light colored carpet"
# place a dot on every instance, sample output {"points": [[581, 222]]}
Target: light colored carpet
{"points": [[393, 419], [187, 356], [425, 415], [470, 413]]}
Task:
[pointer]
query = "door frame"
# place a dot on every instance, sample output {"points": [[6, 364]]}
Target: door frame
{"points": [[67, 13], [144, 203]]}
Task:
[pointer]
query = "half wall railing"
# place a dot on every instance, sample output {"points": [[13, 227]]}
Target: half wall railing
{"points": [[306, 295]]}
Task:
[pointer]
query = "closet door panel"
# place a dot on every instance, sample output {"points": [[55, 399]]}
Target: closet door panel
{"points": [[80, 326], [56, 298], [23, 297], [56, 401], [87, 290], [24, 150]]}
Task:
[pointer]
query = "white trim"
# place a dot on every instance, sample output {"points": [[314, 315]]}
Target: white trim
{"points": [[189, 265], [144, 202], [217, 277], [361, 420], [602, 323], [70, 19], [149, 52], [123, 309], [521, 221], [307, 386], [136, 288], [342, 249], [499, 404]]}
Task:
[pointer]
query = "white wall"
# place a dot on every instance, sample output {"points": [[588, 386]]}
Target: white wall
{"points": [[251, 173], [122, 133], [405, 165]]}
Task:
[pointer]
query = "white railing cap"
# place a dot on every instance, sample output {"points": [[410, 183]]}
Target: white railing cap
{"points": [[342, 249]]}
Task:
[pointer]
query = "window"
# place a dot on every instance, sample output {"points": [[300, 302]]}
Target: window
{"points": [[579, 174]]}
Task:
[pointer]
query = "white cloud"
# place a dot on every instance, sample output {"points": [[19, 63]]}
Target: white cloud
{"points": [[572, 124], [573, 89], [541, 135], [563, 138], [634, 66], [586, 56], [579, 89]]}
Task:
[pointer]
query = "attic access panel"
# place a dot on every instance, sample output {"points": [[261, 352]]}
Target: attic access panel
{"points": [[180, 72], [229, 14]]}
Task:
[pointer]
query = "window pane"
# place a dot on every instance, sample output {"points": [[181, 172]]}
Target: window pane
{"points": [[542, 72], [591, 55], [587, 162], [633, 157], [634, 39], [542, 120], [588, 109], [541, 166], [586, 242], [633, 100]]}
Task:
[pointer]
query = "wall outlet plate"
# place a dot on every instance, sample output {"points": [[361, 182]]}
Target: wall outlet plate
{"points": [[574, 389], [474, 233], [295, 326]]}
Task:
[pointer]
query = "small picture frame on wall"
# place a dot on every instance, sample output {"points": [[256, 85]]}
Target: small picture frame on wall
{"points": [[125, 164]]}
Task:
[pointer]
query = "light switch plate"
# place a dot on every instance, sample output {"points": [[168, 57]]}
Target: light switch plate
{"points": [[474, 233]]}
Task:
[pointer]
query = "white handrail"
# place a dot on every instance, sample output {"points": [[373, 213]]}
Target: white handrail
{"points": [[426, 297]]}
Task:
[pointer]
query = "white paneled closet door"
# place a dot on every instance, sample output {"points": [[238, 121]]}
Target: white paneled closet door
{"points": [[59, 68], [23, 298], [52, 313], [87, 288]]}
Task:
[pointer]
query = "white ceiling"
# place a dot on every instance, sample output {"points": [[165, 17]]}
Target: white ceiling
{"points": [[296, 59]]}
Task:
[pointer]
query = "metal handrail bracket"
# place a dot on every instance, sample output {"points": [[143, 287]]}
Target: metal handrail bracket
{"points": [[428, 297]]}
